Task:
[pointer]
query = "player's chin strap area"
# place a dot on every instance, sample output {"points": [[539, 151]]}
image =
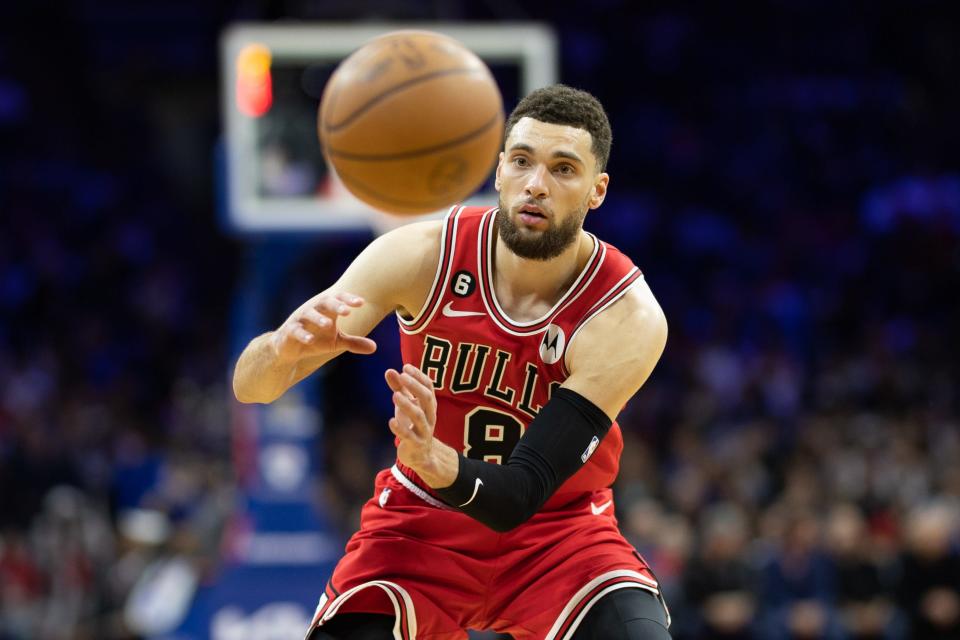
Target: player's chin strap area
{"points": [[556, 445]]}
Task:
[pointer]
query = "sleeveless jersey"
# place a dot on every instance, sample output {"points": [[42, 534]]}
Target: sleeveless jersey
{"points": [[491, 374]]}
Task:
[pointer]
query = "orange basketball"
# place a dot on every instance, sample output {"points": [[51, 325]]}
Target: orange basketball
{"points": [[411, 122]]}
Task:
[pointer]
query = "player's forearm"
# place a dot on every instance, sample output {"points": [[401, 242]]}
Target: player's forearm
{"points": [[556, 445], [260, 375]]}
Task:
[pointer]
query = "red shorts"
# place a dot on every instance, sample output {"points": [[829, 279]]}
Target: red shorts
{"points": [[439, 572]]}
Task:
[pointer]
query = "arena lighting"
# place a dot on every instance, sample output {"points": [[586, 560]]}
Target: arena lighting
{"points": [[254, 87]]}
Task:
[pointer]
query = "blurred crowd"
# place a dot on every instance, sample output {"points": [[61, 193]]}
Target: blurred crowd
{"points": [[114, 425], [787, 180]]}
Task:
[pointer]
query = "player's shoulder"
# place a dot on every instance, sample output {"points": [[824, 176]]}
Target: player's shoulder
{"points": [[614, 258], [414, 249], [431, 231], [464, 212], [638, 306], [617, 349], [419, 234], [409, 243], [427, 236], [617, 289], [634, 319]]}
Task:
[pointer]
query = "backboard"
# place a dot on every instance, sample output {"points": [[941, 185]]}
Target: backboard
{"points": [[276, 178]]}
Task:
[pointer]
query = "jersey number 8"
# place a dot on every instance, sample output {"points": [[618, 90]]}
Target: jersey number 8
{"points": [[490, 435]]}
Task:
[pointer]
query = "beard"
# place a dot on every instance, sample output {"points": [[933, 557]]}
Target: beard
{"points": [[539, 245]]}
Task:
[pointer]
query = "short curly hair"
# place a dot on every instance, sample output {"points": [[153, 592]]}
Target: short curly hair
{"points": [[562, 104]]}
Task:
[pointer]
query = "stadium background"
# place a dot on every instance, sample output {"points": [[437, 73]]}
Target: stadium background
{"points": [[786, 174]]}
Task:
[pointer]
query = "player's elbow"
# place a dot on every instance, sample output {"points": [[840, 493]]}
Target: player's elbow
{"points": [[253, 398], [243, 396], [246, 393]]}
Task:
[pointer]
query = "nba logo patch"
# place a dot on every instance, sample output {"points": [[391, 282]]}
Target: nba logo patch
{"points": [[594, 443], [551, 347]]}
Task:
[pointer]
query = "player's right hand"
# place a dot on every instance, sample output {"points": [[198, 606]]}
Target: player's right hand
{"points": [[312, 329]]}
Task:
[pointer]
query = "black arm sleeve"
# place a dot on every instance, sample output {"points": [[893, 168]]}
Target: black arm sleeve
{"points": [[556, 444]]}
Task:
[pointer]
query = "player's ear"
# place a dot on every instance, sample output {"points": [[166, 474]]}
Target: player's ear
{"points": [[599, 190], [496, 182]]}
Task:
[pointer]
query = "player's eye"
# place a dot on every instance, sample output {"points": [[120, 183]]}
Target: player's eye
{"points": [[520, 161], [564, 169]]}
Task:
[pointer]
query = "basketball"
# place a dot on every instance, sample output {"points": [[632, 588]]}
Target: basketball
{"points": [[411, 122]]}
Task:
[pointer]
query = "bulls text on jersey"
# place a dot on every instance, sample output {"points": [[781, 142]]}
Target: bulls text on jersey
{"points": [[482, 367]]}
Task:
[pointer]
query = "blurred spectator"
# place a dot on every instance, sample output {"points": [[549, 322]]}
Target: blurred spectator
{"points": [[930, 585], [798, 582], [21, 587], [721, 581], [864, 582]]}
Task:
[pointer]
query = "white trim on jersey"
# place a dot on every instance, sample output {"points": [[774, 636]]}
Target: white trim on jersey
{"points": [[405, 601], [410, 486], [609, 302], [444, 264], [639, 581], [485, 264], [316, 614]]}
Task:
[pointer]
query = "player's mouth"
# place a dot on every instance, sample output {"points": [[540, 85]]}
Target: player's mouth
{"points": [[531, 214]]}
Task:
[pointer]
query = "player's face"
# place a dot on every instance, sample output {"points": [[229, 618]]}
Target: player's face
{"points": [[548, 180]]}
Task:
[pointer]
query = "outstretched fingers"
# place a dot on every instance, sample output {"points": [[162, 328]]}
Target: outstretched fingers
{"points": [[414, 398], [420, 387], [356, 344], [397, 430], [419, 375], [332, 307], [350, 299], [324, 314], [312, 319], [392, 376], [295, 331], [412, 411]]}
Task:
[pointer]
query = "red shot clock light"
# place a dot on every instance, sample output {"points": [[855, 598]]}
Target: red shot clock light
{"points": [[254, 91]]}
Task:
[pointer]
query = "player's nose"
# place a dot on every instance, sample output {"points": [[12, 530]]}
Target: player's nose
{"points": [[536, 185]]}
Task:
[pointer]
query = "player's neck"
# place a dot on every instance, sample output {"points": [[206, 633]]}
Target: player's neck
{"points": [[522, 286]]}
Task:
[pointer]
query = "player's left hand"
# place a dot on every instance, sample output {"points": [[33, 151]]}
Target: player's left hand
{"points": [[415, 414]]}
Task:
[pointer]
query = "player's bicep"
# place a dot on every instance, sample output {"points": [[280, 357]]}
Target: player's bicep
{"points": [[615, 352]]}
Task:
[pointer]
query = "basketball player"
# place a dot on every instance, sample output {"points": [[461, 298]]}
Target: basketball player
{"points": [[522, 336]]}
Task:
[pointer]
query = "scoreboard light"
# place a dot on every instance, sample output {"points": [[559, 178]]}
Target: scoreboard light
{"points": [[254, 91]]}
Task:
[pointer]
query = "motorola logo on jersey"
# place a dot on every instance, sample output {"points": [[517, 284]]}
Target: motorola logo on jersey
{"points": [[551, 347], [463, 284]]}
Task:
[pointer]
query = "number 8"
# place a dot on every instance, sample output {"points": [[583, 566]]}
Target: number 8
{"points": [[490, 435]]}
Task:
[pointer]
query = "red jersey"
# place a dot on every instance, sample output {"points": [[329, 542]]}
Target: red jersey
{"points": [[437, 571], [492, 374]]}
